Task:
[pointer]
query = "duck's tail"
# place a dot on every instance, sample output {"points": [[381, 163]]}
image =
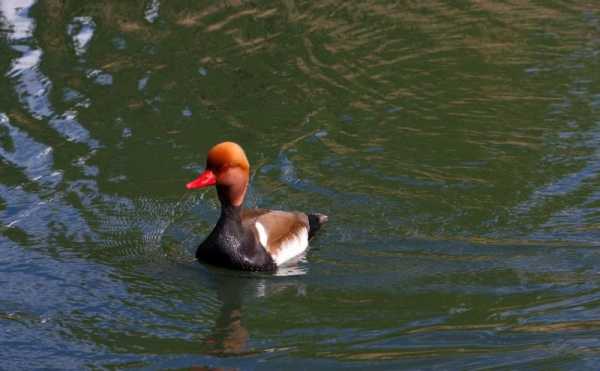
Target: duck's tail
{"points": [[315, 221]]}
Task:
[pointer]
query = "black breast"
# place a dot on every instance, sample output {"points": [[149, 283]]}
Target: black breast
{"points": [[230, 245]]}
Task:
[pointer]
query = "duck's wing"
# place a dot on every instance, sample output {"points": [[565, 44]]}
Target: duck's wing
{"points": [[249, 216], [283, 234]]}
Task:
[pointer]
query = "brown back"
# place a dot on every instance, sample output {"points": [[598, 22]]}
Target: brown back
{"points": [[279, 225]]}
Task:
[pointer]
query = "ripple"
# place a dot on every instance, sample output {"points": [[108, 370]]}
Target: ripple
{"points": [[42, 219], [15, 13], [33, 87], [35, 158], [81, 30], [152, 9]]}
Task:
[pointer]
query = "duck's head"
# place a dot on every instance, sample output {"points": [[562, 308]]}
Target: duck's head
{"points": [[227, 167]]}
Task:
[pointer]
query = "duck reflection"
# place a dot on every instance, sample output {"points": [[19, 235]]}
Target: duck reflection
{"points": [[229, 336]]}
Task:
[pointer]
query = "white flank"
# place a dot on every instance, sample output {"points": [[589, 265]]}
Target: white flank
{"points": [[263, 237], [293, 246]]}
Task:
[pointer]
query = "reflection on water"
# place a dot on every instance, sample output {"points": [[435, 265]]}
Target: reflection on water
{"points": [[151, 12], [81, 29], [454, 146]]}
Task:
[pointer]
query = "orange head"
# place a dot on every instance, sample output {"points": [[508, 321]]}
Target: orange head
{"points": [[227, 155], [226, 167]]}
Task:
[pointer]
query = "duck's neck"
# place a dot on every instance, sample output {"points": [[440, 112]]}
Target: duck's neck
{"points": [[228, 235], [232, 195], [231, 212]]}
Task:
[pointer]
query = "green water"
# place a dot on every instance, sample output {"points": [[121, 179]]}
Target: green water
{"points": [[455, 146]]}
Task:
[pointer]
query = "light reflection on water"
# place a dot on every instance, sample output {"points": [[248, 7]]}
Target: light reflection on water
{"points": [[454, 148]]}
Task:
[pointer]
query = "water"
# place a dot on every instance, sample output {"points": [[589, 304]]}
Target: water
{"points": [[454, 145]]}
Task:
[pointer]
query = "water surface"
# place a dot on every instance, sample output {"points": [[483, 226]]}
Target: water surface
{"points": [[454, 145]]}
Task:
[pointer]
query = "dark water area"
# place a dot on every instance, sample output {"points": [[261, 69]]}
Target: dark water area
{"points": [[455, 146]]}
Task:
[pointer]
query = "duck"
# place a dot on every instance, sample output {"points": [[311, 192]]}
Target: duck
{"points": [[243, 238]]}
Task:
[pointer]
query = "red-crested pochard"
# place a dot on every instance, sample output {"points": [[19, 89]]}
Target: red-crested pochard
{"points": [[248, 239]]}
